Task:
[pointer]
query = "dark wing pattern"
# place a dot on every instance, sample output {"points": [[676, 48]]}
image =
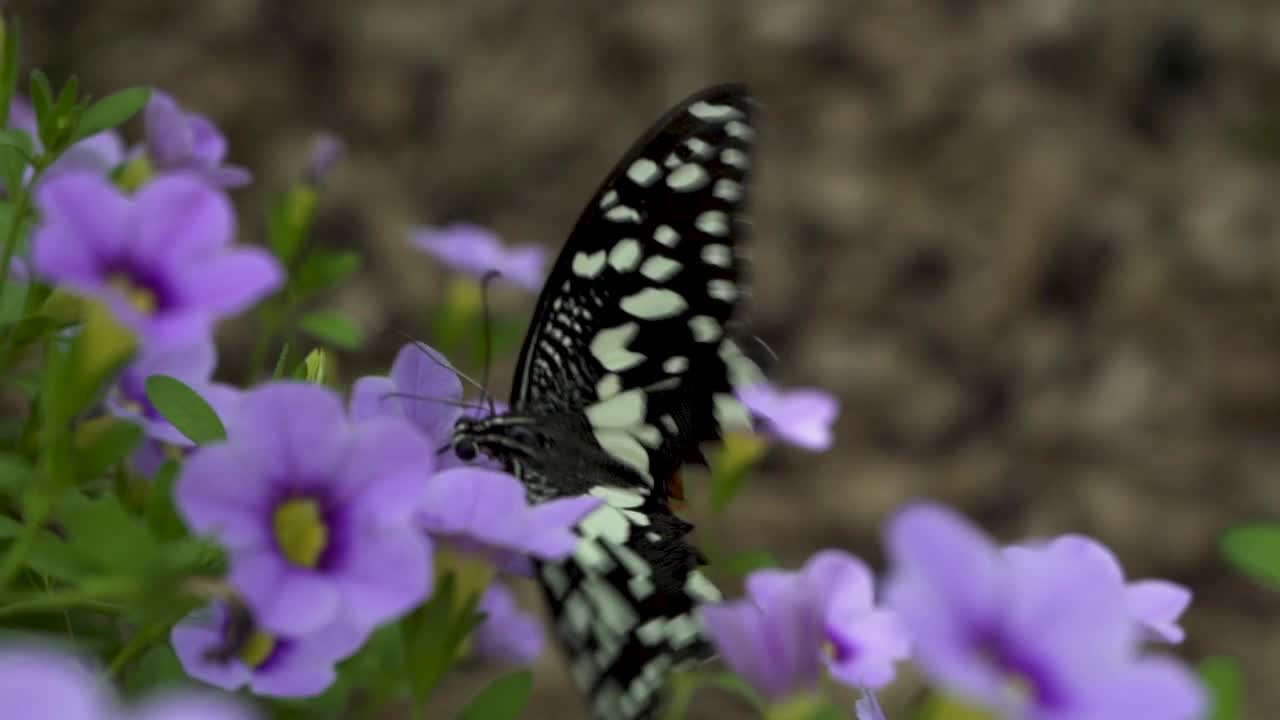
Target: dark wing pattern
{"points": [[633, 325]]}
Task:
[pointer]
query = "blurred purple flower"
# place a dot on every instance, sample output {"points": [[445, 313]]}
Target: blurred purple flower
{"points": [[476, 251], [99, 153], [162, 259], [486, 512], [315, 513], [49, 685], [180, 140], [802, 417], [508, 634], [1029, 635], [422, 388], [269, 665], [326, 150], [868, 707], [791, 622], [1156, 605], [192, 706]]}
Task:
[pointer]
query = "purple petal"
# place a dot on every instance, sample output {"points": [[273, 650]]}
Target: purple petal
{"points": [[1157, 605], [507, 633], [802, 417], [233, 281], [209, 146], [550, 533], [22, 116], [1152, 688], [194, 636], [227, 176], [775, 648], [181, 219], [48, 684], [85, 221], [220, 494], [325, 152], [526, 267], [291, 431], [875, 642], [424, 374], [385, 575], [383, 476], [374, 396], [169, 136], [285, 600], [836, 573], [868, 707], [100, 153]]}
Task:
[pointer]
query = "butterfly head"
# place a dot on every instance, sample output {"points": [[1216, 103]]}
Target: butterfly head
{"points": [[501, 437]]}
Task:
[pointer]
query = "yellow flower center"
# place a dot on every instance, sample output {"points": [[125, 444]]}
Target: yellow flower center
{"points": [[142, 299], [257, 648], [300, 531]]}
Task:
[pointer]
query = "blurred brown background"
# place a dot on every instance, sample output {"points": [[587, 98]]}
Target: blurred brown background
{"points": [[1033, 246]]}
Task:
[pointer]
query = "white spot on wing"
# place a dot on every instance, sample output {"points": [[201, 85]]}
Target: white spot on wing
{"points": [[608, 386], [676, 364], [625, 449], [740, 130], [734, 157], [717, 254], [730, 413], [705, 328], [665, 235], [623, 213], [617, 497], [588, 265], [727, 189], [609, 347], [643, 172], [688, 177], [698, 586], [698, 147], [670, 424], [625, 255], [712, 222], [609, 199], [620, 411], [653, 303], [648, 435], [704, 110], [659, 268], [722, 290]]}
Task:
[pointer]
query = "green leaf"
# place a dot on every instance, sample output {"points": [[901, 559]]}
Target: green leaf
{"points": [[8, 69], [1225, 682], [278, 372], [101, 349], [183, 407], [323, 270], [747, 562], [104, 442], [32, 328], [157, 667], [160, 513], [315, 367], [102, 532], [111, 111], [503, 699], [434, 633], [13, 166], [52, 556], [16, 474], [42, 102], [1255, 551], [288, 222], [332, 327]]}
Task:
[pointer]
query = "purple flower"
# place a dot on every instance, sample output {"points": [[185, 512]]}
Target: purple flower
{"points": [[802, 417], [99, 153], [179, 140], [162, 260], [193, 365], [424, 389], [315, 512], [325, 152], [868, 707], [49, 685], [508, 634], [1156, 605], [213, 650], [192, 706], [791, 622], [476, 251], [1029, 635], [486, 511]]}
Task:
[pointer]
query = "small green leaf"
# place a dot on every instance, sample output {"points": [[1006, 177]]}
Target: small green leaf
{"points": [[503, 699], [104, 442], [16, 474], [278, 372], [32, 328], [1255, 550], [157, 667], [51, 555], [427, 640], [1222, 676], [111, 111], [183, 407], [41, 101], [333, 328], [315, 367], [161, 514], [322, 270], [8, 69], [102, 532]]}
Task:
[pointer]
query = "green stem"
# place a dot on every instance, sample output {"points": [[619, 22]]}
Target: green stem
{"points": [[139, 642], [89, 595], [20, 207]]}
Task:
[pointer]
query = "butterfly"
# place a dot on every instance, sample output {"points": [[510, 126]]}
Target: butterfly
{"points": [[628, 367]]}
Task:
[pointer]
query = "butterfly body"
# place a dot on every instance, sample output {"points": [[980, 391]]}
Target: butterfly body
{"points": [[628, 367]]}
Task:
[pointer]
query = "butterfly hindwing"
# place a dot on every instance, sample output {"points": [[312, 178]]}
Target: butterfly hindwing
{"points": [[632, 325]]}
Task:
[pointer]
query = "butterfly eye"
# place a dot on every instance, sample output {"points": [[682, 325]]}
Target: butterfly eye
{"points": [[465, 450]]}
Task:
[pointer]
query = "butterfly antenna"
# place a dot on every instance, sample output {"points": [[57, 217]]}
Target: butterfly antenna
{"points": [[487, 348], [766, 347], [426, 350], [427, 398]]}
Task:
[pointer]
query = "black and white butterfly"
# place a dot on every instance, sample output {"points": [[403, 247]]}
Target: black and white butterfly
{"points": [[627, 368]]}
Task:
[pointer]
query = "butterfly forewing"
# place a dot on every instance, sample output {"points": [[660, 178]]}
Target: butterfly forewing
{"points": [[631, 327]]}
